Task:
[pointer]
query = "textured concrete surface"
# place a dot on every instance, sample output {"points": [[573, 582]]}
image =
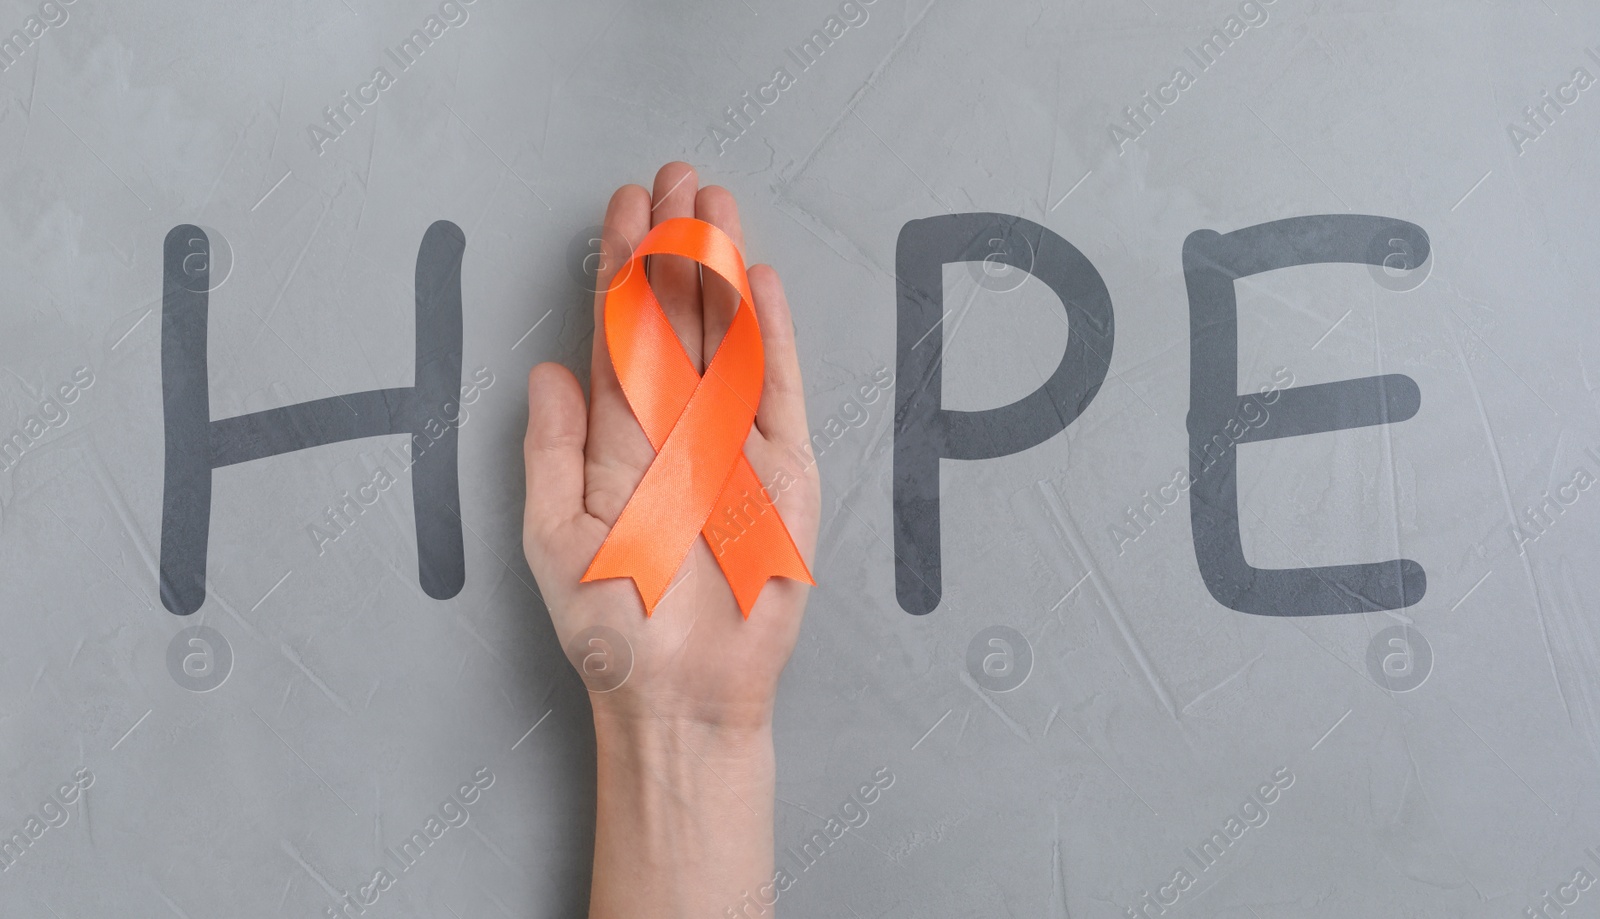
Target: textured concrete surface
{"points": [[359, 711]]}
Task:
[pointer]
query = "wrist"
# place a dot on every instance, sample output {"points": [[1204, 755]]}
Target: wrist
{"points": [[638, 731], [632, 711]]}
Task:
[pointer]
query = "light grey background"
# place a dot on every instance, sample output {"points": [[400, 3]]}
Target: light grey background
{"points": [[357, 704]]}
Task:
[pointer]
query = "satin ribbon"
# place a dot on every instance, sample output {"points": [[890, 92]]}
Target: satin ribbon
{"points": [[700, 480]]}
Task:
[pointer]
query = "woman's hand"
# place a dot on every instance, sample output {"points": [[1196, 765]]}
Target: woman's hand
{"points": [[686, 772], [696, 659]]}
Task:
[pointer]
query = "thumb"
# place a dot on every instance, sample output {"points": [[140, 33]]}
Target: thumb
{"points": [[552, 453]]}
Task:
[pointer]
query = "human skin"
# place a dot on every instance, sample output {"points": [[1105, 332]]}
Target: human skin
{"points": [[685, 784]]}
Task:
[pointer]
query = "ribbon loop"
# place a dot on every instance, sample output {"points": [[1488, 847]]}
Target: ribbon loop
{"points": [[697, 424]]}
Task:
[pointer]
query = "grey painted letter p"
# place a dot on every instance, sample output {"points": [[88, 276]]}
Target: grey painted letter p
{"points": [[924, 431]]}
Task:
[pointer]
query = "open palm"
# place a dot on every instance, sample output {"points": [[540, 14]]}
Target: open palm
{"points": [[697, 659]]}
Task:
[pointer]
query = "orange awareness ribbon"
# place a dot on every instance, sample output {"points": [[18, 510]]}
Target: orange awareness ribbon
{"points": [[698, 425]]}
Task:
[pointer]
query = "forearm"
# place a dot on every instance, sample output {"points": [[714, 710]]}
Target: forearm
{"points": [[683, 819]]}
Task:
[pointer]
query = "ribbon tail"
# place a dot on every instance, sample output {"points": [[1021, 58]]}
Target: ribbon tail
{"points": [[650, 580], [749, 540], [748, 580]]}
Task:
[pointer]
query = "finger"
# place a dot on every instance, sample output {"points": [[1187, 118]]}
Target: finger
{"points": [[781, 417], [611, 422], [674, 278], [715, 205], [552, 452], [627, 220]]}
